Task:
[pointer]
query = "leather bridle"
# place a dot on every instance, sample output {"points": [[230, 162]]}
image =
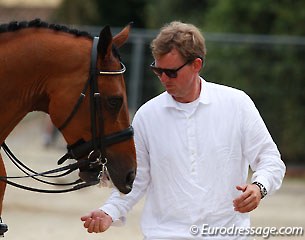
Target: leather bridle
{"points": [[95, 147], [91, 154]]}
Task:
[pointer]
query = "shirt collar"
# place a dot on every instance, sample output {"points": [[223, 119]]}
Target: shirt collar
{"points": [[170, 102]]}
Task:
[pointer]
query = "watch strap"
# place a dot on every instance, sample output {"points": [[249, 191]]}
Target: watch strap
{"points": [[262, 189]]}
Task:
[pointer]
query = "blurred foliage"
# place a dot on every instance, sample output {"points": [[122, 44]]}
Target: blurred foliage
{"points": [[260, 17], [160, 12], [272, 74], [77, 12], [102, 12]]}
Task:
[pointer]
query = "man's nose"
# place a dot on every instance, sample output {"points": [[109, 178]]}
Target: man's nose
{"points": [[163, 77]]}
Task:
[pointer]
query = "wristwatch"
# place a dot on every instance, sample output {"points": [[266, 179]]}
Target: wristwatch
{"points": [[262, 189]]}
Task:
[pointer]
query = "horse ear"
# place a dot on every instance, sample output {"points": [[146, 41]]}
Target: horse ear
{"points": [[122, 37], [104, 45]]}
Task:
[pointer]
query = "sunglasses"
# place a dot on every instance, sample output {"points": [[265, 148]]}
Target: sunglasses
{"points": [[171, 73]]}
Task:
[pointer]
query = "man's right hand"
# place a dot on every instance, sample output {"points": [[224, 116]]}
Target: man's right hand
{"points": [[97, 221]]}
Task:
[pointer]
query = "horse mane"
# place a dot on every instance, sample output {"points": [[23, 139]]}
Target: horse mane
{"points": [[37, 23]]}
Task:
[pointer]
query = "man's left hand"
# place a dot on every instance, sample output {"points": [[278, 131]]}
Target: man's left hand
{"points": [[248, 200]]}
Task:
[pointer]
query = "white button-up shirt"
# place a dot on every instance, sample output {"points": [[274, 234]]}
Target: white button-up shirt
{"points": [[191, 157]]}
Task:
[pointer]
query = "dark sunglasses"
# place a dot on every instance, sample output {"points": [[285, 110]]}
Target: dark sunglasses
{"points": [[171, 73]]}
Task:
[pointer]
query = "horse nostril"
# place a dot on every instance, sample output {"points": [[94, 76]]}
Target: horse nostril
{"points": [[130, 178]]}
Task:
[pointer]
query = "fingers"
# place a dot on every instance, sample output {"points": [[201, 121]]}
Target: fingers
{"points": [[241, 187], [93, 214], [248, 200], [247, 205], [94, 226], [97, 221], [243, 196], [87, 222], [84, 218]]}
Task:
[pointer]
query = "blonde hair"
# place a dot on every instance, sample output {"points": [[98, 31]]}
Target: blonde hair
{"points": [[186, 38]]}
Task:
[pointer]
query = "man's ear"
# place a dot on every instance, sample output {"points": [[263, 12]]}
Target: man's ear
{"points": [[198, 64]]}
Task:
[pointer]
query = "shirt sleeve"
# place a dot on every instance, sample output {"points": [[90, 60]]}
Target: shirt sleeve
{"points": [[259, 149], [118, 205]]}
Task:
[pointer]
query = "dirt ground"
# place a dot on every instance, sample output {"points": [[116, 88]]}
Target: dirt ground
{"points": [[36, 216]]}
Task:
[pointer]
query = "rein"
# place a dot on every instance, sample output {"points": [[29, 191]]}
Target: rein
{"points": [[95, 150]]}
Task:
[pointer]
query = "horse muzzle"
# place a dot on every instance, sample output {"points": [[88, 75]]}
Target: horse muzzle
{"points": [[103, 177]]}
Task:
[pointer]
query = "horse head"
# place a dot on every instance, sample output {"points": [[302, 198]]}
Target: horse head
{"points": [[98, 129]]}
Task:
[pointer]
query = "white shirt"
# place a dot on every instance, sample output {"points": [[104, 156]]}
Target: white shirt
{"points": [[189, 162]]}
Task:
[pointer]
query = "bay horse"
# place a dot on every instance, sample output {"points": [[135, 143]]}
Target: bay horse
{"points": [[78, 80]]}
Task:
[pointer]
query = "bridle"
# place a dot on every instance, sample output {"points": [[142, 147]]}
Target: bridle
{"points": [[95, 147], [91, 154]]}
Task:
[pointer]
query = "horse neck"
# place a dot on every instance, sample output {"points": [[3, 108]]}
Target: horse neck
{"points": [[34, 64]]}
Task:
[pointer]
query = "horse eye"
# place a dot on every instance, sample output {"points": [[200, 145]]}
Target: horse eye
{"points": [[114, 103]]}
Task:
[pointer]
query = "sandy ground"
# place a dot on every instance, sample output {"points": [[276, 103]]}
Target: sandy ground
{"points": [[35, 216]]}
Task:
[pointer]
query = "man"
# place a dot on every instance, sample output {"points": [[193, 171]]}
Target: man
{"points": [[195, 143]]}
